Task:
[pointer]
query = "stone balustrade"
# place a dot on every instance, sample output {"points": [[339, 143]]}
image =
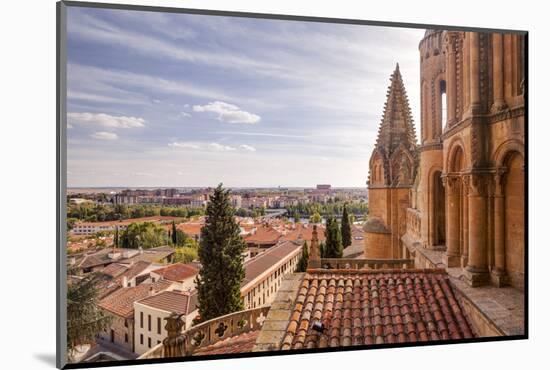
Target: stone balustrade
{"points": [[369, 264], [413, 223], [212, 331]]}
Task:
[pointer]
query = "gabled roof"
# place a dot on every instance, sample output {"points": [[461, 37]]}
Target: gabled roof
{"points": [[121, 302], [264, 235], [178, 271], [172, 301], [358, 307], [305, 233]]}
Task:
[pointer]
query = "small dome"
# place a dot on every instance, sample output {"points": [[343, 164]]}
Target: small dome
{"points": [[375, 225]]}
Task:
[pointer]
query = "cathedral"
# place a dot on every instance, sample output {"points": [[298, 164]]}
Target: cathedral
{"points": [[455, 199]]}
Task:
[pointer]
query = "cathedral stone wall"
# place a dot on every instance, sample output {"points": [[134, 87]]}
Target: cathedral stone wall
{"points": [[472, 140]]}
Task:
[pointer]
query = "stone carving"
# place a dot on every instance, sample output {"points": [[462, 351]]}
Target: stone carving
{"points": [[174, 344]]}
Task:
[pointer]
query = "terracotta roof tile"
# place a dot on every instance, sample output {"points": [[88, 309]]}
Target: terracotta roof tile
{"points": [[366, 307], [241, 343], [264, 235], [178, 271], [173, 301], [121, 302]]}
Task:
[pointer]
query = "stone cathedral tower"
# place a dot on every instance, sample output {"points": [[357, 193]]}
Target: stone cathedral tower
{"points": [[393, 165]]}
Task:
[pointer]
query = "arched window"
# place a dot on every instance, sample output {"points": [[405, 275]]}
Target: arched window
{"points": [[443, 92]]}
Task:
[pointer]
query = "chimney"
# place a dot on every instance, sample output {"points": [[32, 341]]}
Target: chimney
{"points": [[151, 291], [314, 261], [125, 281]]}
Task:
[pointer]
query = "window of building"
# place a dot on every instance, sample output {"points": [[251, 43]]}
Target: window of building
{"points": [[159, 328], [141, 320], [149, 322], [149, 342], [126, 337], [443, 90], [141, 339]]}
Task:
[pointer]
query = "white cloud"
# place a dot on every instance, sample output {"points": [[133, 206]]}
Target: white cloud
{"points": [[211, 147], [248, 148], [185, 114], [103, 135], [221, 148], [105, 120], [184, 145], [228, 112]]}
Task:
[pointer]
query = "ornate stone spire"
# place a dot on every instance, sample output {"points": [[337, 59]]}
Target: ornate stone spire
{"points": [[396, 126], [314, 252]]}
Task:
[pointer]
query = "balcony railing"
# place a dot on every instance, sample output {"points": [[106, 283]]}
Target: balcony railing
{"points": [[368, 264], [211, 331]]}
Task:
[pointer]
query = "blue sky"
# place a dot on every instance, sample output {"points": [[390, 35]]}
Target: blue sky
{"points": [[157, 99]]}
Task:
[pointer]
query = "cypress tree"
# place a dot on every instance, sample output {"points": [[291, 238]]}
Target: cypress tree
{"points": [[304, 257], [322, 249], [346, 228], [116, 237], [220, 255], [174, 233], [333, 246]]}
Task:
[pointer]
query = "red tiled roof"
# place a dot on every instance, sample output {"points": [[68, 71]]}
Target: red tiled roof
{"points": [[261, 263], [136, 269], [263, 235], [190, 228], [373, 307], [305, 232], [114, 269], [173, 301], [241, 343], [121, 302], [178, 271]]}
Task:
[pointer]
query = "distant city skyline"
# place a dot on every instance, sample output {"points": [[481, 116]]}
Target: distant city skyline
{"points": [[178, 100]]}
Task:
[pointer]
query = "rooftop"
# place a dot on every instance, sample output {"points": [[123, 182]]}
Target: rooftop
{"points": [[304, 232], [264, 261], [172, 301], [178, 271], [121, 302], [263, 235], [241, 343], [150, 255], [361, 307]]}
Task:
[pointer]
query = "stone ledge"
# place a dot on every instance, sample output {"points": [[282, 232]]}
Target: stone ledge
{"points": [[274, 327]]}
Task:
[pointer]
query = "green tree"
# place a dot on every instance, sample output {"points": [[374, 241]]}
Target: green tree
{"points": [[315, 218], [174, 233], [296, 217], [116, 238], [145, 235], [346, 228], [322, 250], [185, 254], [71, 222], [84, 317], [333, 246], [220, 254], [304, 257]]}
